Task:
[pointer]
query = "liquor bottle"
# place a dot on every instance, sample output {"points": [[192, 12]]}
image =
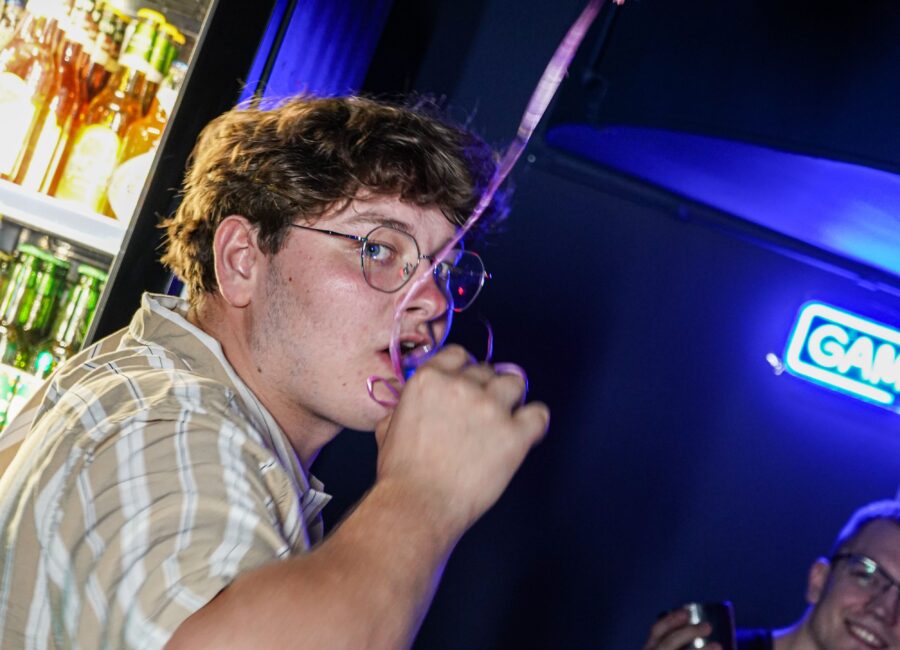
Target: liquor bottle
{"points": [[6, 266], [140, 145], [27, 307], [102, 59], [33, 320], [81, 28], [48, 142], [95, 148], [17, 299], [144, 135], [71, 323], [28, 78], [62, 11], [19, 290], [165, 50], [9, 19], [144, 15]]}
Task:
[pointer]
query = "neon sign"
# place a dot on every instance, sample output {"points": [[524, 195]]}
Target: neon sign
{"points": [[846, 352]]}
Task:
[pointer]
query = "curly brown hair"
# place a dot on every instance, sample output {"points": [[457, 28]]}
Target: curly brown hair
{"points": [[306, 155]]}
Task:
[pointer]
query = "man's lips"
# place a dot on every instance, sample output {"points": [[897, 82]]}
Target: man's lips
{"points": [[866, 635], [412, 346]]}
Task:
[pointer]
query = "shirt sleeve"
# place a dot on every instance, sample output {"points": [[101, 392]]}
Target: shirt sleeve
{"points": [[160, 519]]}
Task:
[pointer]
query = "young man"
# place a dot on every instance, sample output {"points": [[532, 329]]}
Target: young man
{"points": [[853, 595], [162, 497]]}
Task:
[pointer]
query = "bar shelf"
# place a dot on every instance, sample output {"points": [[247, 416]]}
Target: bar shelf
{"points": [[61, 219]]}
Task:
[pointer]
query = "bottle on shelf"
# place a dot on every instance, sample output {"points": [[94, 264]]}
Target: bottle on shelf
{"points": [[9, 19], [17, 297], [95, 147], [101, 61], [71, 323], [165, 51], [19, 291], [140, 144], [144, 135], [28, 79], [44, 152], [33, 324], [81, 28], [6, 265], [62, 10], [28, 303]]}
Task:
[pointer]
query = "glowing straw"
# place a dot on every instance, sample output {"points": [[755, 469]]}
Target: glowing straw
{"points": [[540, 99]]}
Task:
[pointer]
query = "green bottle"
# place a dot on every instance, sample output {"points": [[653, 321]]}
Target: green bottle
{"points": [[34, 317], [7, 260], [22, 305], [17, 298], [70, 326]]}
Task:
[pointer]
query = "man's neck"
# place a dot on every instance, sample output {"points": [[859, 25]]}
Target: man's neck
{"points": [[307, 434]]}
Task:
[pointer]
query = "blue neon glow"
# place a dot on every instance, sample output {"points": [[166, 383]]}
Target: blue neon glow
{"points": [[846, 352], [846, 209], [326, 50]]}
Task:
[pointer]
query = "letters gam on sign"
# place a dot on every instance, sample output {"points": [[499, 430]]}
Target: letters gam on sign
{"points": [[846, 352]]}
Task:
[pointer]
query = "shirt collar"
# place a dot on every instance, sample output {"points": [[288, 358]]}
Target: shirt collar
{"points": [[175, 327]]}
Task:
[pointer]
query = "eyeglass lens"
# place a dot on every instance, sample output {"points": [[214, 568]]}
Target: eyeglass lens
{"points": [[868, 575], [390, 258]]}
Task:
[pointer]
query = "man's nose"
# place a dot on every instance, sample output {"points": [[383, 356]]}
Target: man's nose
{"points": [[886, 605], [429, 300]]}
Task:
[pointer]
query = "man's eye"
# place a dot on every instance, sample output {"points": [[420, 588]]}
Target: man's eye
{"points": [[863, 576], [378, 252], [444, 269]]}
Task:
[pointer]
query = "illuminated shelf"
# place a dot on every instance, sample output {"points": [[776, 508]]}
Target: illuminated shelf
{"points": [[66, 220]]}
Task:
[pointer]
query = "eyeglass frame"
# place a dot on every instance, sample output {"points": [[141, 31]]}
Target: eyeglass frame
{"points": [[873, 568], [362, 239]]}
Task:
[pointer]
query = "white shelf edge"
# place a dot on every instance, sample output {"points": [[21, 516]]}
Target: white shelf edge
{"points": [[62, 219]]}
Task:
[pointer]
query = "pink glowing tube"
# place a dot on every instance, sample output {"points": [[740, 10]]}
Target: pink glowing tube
{"points": [[540, 99]]}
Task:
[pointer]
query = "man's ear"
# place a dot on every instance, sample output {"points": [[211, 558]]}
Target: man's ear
{"points": [[237, 260], [817, 579]]}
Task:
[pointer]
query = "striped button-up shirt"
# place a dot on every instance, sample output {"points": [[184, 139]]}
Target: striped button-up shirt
{"points": [[150, 478]]}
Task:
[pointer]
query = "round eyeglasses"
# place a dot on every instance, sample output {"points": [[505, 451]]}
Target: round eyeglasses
{"points": [[390, 257]]}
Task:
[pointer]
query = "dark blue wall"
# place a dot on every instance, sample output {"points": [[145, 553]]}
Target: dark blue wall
{"points": [[678, 466]]}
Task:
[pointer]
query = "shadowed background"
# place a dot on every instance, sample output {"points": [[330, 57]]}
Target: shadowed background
{"points": [[678, 465]]}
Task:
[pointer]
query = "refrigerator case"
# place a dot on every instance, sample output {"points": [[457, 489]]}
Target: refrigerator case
{"points": [[224, 37]]}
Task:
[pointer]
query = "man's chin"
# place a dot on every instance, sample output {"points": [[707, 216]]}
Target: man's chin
{"points": [[367, 417]]}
